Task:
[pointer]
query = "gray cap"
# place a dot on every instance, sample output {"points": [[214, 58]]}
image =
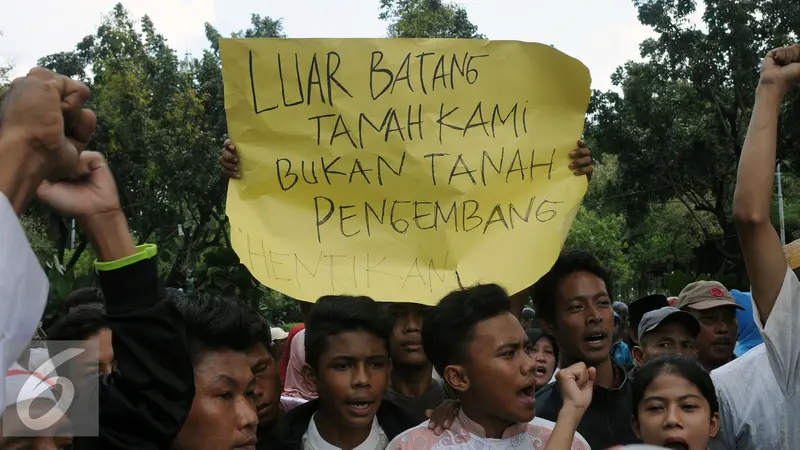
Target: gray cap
{"points": [[653, 319]]}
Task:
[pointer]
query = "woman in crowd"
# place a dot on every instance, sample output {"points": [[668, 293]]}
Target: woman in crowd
{"points": [[544, 351]]}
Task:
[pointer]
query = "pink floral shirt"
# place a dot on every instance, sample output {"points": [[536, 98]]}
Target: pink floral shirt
{"points": [[464, 434]]}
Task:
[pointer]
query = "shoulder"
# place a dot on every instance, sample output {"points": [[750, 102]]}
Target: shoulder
{"points": [[418, 437], [745, 363], [393, 419]]}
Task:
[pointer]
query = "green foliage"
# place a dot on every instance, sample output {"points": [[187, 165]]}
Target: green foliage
{"points": [[679, 123], [427, 19], [161, 123], [603, 235]]}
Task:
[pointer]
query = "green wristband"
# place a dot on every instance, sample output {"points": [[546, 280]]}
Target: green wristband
{"points": [[143, 252]]}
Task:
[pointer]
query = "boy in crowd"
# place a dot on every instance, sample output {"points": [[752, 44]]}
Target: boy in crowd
{"points": [[573, 301], [267, 388], [223, 412], [86, 324], [481, 351], [666, 332], [412, 385], [347, 361], [715, 309]]}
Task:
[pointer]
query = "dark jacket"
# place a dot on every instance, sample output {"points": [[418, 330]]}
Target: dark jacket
{"points": [[606, 423], [145, 401], [288, 434]]}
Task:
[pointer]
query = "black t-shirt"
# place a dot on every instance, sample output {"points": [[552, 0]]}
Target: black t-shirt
{"points": [[436, 394]]}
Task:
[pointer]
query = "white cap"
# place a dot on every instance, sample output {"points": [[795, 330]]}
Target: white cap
{"points": [[278, 334]]}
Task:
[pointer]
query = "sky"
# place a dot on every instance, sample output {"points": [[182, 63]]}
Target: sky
{"points": [[603, 34]]}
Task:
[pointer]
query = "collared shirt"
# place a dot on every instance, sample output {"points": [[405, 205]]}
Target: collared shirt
{"points": [[758, 392], [466, 434], [607, 422], [313, 441], [23, 290]]}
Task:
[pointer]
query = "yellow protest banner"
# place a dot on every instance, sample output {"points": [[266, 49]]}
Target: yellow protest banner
{"points": [[401, 169]]}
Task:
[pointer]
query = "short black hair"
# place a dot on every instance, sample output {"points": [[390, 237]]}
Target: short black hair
{"points": [[686, 368], [336, 314], [214, 324], [545, 291], [260, 328], [88, 296], [449, 326], [78, 325]]}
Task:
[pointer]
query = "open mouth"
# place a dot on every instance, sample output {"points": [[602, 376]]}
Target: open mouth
{"points": [[675, 443], [362, 406], [527, 395], [540, 370], [595, 338]]}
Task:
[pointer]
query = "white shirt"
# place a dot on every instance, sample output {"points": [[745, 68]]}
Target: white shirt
{"points": [[312, 440], [23, 290], [782, 340], [750, 403], [758, 391], [465, 434]]}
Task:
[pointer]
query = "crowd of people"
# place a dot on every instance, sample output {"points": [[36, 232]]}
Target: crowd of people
{"points": [[711, 368]]}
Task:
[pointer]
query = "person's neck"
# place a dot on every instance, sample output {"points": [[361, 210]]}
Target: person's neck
{"points": [[268, 426], [345, 438], [605, 371], [713, 364], [412, 381], [493, 427]]}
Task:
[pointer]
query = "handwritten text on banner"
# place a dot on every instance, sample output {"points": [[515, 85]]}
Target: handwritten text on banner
{"points": [[399, 168]]}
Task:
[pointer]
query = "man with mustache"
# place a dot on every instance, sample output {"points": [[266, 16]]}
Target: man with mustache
{"points": [[573, 302], [714, 307]]}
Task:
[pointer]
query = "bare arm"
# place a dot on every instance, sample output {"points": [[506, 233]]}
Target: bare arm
{"points": [[763, 254]]}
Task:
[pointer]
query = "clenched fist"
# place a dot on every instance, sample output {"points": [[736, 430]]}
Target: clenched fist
{"points": [[44, 112], [781, 69]]}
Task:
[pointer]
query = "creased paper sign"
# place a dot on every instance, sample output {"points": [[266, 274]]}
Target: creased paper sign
{"points": [[401, 169]]}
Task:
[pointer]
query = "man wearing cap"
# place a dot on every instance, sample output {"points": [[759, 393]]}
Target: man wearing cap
{"points": [[666, 331], [714, 307], [638, 309], [279, 336]]}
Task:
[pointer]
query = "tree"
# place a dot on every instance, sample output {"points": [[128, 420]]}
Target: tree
{"points": [[161, 123], [679, 124], [427, 19]]}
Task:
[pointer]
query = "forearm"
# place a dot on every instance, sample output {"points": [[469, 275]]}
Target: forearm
{"points": [[757, 164], [566, 426], [21, 173], [761, 247], [110, 236]]}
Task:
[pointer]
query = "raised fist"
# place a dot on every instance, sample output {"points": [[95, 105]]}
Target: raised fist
{"points": [[44, 111], [781, 69]]}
